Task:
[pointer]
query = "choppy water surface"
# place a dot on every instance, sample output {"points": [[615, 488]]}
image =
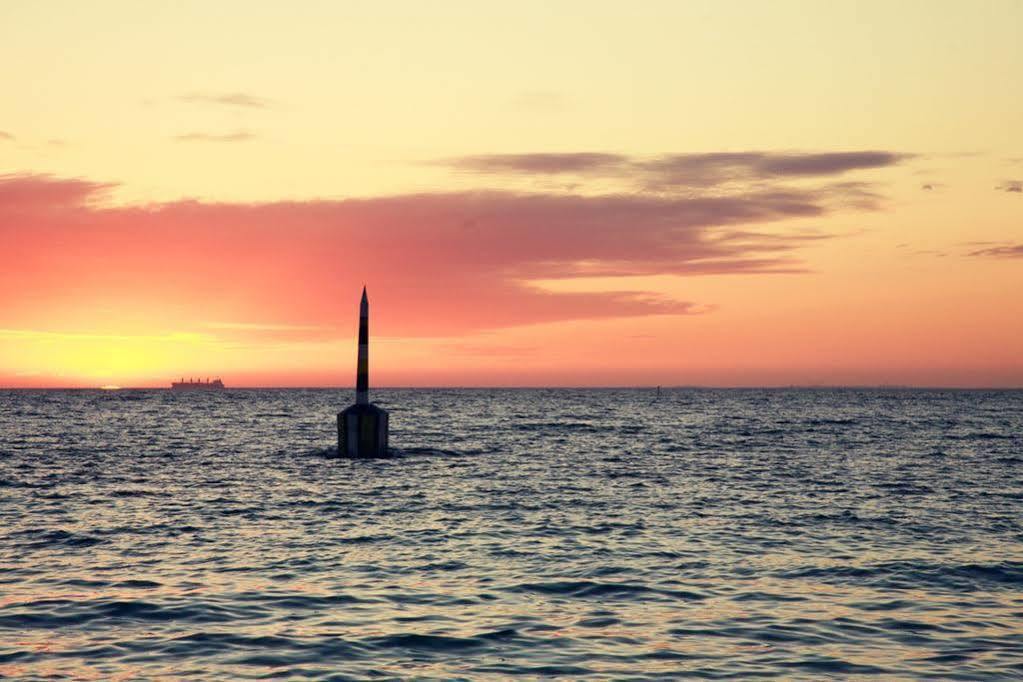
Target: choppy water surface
{"points": [[795, 534]]}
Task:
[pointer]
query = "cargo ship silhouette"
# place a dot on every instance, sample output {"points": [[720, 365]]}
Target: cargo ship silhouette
{"points": [[192, 384]]}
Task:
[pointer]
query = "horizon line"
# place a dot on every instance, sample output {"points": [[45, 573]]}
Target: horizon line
{"points": [[525, 387]]}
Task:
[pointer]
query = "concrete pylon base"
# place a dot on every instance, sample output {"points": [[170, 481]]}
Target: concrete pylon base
{"points": [[362, 432]]}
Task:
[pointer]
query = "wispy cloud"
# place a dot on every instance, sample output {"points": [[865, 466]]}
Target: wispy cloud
{"points": [[1011, 186], [1000, 251], [683, 170], [237, 136], [575, 162], [228, 99], [6, 136], [711, 169], [539, 101]]}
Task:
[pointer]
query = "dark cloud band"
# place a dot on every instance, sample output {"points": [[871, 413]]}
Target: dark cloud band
{"points": [[683, 170]]}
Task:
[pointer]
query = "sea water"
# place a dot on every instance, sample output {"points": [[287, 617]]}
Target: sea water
{"points": [[799, 534]]}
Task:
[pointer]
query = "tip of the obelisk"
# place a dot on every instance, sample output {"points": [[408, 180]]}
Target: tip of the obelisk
{"points": [[363, 292]]}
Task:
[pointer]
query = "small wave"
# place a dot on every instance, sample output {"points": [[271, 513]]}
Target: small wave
{"points": [[268, 650], [53, 496], [137, 492], [914, 575], [890, 605], [59, 538], [906, 488], [601, 622], [586, 427], [330, 452], [583, 589], [15, 483], [833, 666], [536, 671], [769, 597], [55, 613], [298, 602], [223, 640], [364, 539], [138, 584], [988, 435], [947, 658], [432, 452], [442, 566], [807, 425], [418, 642]]}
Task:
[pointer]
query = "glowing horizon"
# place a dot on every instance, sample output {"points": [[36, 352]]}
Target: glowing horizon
{"points": [[740, 195]]}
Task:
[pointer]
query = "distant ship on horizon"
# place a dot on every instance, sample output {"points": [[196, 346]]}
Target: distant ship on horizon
{"points": [[196, 384]]}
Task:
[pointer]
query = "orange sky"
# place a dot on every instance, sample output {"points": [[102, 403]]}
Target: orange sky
{"points": [[551, 194]]}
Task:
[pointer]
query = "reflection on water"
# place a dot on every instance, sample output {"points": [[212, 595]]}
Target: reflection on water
{"points": [[798, 534]]}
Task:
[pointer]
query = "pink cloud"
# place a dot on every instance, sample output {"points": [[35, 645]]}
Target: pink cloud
{"points": [[35, 193], [439, 264]]}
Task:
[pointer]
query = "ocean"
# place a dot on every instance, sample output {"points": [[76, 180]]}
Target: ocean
{"points": [[530, 534]]}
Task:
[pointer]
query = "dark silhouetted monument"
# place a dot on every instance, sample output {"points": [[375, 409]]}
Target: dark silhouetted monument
{"points": [[362, 428]]}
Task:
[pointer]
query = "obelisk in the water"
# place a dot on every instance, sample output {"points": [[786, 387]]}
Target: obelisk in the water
{"points": [[362, 369], [362, 428]]}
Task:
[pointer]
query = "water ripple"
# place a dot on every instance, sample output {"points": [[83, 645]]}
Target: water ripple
{"points": [[516, 534]]}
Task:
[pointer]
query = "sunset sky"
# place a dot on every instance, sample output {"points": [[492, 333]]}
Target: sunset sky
{"points": [[535, 193]]}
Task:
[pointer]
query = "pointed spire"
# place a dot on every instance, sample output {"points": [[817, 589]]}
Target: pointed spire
{"points": [[362, 373]]}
